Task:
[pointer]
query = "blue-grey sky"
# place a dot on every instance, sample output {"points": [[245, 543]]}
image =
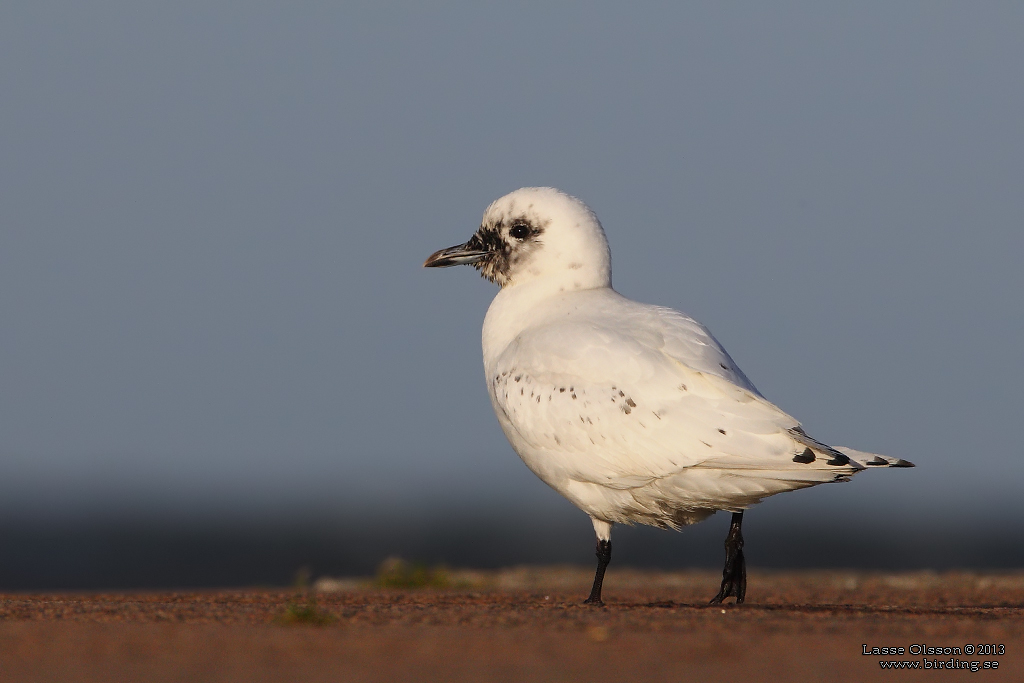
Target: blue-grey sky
{"points": [[214, 214]]}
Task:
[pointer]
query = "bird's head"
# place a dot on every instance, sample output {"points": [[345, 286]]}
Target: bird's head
{"points": [[535, 234]]}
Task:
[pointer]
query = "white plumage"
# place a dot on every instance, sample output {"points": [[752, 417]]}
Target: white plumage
{"points": [[633, 412]]}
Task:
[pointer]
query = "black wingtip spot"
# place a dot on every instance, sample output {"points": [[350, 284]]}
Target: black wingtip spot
{"points": [[804, 458], [838, 459], [902, 463]]}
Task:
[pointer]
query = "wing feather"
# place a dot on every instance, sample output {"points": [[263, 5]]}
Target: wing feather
{"points": [[624, 408]]}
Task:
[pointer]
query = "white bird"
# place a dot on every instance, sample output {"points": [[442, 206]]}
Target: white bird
{"points": [[633, 412]]}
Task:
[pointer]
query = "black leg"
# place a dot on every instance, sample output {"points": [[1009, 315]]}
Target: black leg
{"points": [[604, 556], [734, 576]]}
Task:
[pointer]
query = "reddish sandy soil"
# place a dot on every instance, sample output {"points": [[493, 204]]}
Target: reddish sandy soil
{"points": [[523, 625]]}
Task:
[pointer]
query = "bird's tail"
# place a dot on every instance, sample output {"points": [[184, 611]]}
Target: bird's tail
{"points": [[873, 459]]}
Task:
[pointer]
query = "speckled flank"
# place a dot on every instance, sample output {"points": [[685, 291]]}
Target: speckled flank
{"points": [[503, 386], [627, 405]]}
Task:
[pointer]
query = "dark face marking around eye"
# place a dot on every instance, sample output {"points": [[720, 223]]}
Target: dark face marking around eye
{"points": [[519, 230], [504, 249]]}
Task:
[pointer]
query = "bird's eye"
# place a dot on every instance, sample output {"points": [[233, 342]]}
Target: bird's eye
{"points": [[520, 231]]}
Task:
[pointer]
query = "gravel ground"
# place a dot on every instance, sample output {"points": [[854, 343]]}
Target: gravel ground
{"points": [[522, 624]]}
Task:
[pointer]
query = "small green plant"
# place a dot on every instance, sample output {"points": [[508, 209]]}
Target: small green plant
{"points": [[395, 572], [308, 613], [304, 611]]}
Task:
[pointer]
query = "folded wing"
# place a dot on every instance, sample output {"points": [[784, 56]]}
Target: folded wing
{"points": [[626, 406]]}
